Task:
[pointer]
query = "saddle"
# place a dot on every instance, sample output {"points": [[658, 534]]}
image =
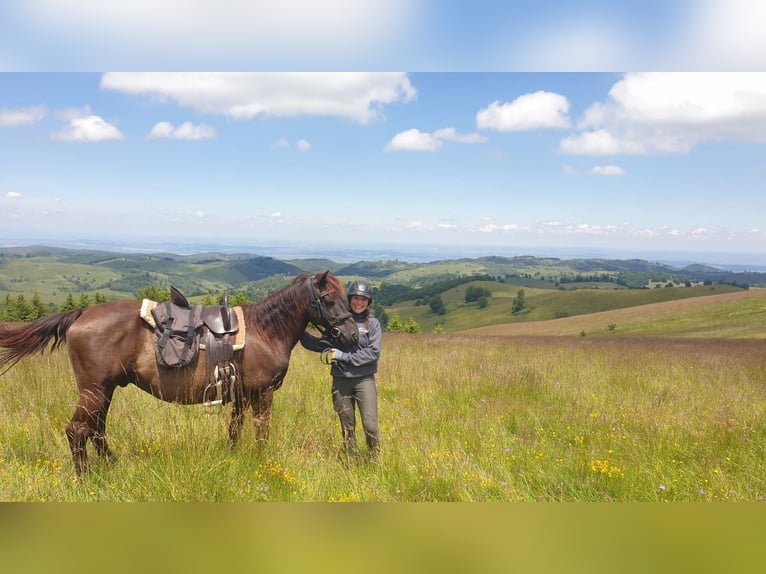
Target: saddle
{"points": [[182, 329]]}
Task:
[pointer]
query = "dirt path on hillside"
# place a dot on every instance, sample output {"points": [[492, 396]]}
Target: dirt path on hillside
{"points": [[622, 317]]}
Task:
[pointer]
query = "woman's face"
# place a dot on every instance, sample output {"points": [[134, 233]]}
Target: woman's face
{"points": [[359, 304]]}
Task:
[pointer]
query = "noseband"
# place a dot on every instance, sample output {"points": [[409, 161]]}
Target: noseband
{"points": [[316, 303]]}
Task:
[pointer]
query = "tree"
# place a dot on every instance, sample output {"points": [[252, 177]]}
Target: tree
{"points": [[474, 293], [68, 304], [154, 293], [395, 324], [411, 326], [519, 303], [437, 305]]}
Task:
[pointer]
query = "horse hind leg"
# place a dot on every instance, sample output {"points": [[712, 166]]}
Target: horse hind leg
{"points": [[77, 433], [89, 422], [99, 436]]}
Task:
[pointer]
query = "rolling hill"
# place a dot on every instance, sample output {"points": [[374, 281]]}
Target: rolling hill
{"points": [[556, 290]]}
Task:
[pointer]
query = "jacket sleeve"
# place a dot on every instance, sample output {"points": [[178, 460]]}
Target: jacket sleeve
{"points": [[369, 353]]}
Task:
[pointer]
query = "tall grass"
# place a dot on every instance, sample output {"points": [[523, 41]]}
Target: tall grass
{"points": [[462, 419]]}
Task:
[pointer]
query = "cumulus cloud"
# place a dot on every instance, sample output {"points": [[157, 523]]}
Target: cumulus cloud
{"points": [[606, 170], [11, 117], [449, 134], [650, 113], [186, 131], [527, 112], [359, 97], [88, 129], [495, 228], [13, 195], [415, 140], [300, 145]]}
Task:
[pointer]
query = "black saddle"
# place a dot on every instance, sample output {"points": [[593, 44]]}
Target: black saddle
{"points": [[220, 319]]}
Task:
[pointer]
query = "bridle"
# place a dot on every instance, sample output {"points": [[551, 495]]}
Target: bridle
{"points": [[316, 303]]}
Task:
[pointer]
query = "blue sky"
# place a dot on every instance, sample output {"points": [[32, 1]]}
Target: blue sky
{"points": [[633, 162]]}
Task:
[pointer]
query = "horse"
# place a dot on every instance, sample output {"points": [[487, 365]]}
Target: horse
{"points": [[110, 346]]}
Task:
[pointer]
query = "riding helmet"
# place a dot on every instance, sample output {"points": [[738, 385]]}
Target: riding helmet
{"points": [[361, 288]]}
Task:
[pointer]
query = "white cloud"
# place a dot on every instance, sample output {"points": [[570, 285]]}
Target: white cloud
{"points": [[21, 116], [494, 228], [606, 170], [301, 145], [527, 112], [88, 129], [672, 112], [13, 195], [415, 140], [449, 134], [243, 96], [699, 232], [186, 131]]}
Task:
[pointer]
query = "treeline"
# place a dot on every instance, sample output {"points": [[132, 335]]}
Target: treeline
{"points": [[388, 294], [19, 308]]}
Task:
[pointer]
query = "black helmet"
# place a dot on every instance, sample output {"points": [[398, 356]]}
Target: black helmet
{"points": [[361, 288]]}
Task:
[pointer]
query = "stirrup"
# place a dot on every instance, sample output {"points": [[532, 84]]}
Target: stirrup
{"points": [[222, 385]]}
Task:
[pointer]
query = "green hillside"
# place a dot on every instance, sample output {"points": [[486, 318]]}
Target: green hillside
{"points": [[553, 288], [541, 304], [734, 315]]}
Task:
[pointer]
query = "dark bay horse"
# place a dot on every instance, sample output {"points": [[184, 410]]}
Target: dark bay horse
{"points": [[111, 346]]}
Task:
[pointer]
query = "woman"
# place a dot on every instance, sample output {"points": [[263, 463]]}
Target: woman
{"points": [[353, 371]]}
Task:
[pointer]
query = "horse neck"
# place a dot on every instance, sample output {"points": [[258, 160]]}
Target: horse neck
{"points": [[283, 315]]}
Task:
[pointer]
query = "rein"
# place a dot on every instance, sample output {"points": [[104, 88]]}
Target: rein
{"points": [[316, 303]]}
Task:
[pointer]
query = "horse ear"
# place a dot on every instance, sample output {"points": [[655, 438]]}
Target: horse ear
{"points": [[322, 279]]}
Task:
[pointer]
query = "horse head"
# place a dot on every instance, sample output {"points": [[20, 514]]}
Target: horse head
{"points": [[329, 309]]}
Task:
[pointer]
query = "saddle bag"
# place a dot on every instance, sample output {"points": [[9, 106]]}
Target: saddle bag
{"points": [[179, 330]]}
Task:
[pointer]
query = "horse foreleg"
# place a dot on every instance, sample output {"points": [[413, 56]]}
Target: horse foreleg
{"points": [[262, 414], [235, 424]]}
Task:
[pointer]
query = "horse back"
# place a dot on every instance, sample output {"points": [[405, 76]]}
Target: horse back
{"points": [[109, 338]]}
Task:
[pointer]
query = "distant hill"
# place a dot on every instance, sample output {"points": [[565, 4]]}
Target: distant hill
{"points": [[52, 273]]}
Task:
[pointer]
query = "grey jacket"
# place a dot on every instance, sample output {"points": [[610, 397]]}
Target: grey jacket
{"points": [[359, 360]]}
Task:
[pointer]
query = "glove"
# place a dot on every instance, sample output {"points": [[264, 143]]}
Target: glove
{"points": [[337, 354], [331, 355]]}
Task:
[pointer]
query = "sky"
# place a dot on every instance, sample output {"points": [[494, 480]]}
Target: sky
{"points": [[510, 139]]}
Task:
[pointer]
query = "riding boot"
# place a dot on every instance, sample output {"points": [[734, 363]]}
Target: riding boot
{"points": [[349, 441], [373, 446]]}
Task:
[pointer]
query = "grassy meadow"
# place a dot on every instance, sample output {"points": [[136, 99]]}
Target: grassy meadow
{"points": [[463, 418]]}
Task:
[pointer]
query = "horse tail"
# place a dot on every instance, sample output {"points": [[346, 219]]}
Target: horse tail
{"points": [[18, 342]]}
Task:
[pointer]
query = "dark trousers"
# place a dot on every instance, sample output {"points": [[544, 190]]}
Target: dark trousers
{"points": [[347, 394]]}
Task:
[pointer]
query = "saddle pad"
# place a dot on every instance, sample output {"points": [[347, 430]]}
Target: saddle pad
{"points": [[237, 341]]}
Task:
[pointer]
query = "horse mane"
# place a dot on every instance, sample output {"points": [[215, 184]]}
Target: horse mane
{"points": [[269, 315]]}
